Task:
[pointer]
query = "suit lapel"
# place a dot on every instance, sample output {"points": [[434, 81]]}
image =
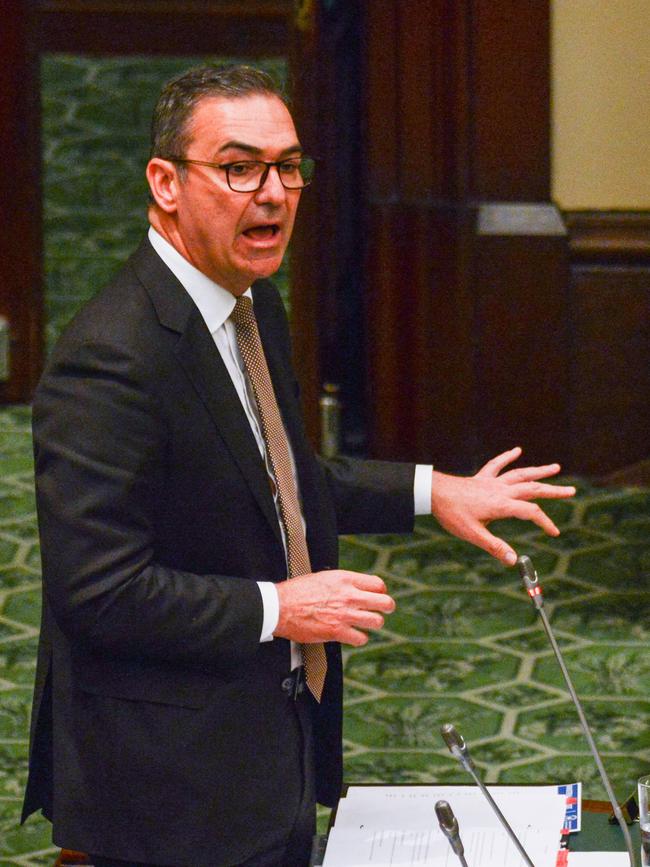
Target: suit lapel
{"points": [[204, 366]]}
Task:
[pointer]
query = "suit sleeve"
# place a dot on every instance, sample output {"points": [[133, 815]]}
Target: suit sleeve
{"points": [[371, 496], [100, 443]]}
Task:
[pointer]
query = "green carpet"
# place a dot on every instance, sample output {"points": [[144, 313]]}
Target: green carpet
{"points": [[464, 646]]}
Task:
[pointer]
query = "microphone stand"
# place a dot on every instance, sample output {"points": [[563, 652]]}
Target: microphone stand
{"points": [[458, 748], [534, 590]]}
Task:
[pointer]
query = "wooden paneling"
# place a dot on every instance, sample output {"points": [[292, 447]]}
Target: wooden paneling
{"points": [[465, 331], [380, 104], [414, 100], [509, 62], [521, 324], [418, 311], [610, 340], [249, 29], [420, 360], [20, 233], [611, 368]]}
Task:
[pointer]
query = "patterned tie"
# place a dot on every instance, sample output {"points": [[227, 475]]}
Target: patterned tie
{"points": [[277, 449]]}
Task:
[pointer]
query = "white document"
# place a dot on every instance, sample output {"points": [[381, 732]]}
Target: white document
{"points": [[396, 826], [412, 807], [599, 859], [484, 847]]}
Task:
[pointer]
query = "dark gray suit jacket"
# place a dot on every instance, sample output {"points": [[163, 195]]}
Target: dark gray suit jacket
{"points": [[158, 721]]}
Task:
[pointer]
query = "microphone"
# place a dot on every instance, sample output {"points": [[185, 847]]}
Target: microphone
{"points": [[458, 748], [449, 827], [533, 587]]}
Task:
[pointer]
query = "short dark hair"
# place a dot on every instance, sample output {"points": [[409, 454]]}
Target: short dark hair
{"points": [[169, 125]]}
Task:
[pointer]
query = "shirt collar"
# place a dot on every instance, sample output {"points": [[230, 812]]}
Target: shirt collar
{"points": [[214, 302]]}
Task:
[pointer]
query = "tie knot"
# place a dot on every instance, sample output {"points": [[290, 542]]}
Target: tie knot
{"points": [[243, 313]]}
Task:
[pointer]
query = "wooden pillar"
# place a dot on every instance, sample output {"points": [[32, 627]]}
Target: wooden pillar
{"points": [[326, 277]]}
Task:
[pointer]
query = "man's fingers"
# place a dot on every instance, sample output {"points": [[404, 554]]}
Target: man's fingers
{"points": [[351, 636], [332, 606], [494, 466], [530, 474], [358, 590], [495, 546], [372, 583], [366, 620], [538, 490], [375, 602], [355, 590], [532, 512]]}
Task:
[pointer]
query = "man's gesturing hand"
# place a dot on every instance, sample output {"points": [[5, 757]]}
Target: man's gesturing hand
{"points": [[465, 506], [332, 606]]}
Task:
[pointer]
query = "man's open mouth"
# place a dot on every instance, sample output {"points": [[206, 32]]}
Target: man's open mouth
{"points": [[263, 232]]}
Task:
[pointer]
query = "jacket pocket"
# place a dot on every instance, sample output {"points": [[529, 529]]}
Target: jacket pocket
{"points": [[141, 680]]}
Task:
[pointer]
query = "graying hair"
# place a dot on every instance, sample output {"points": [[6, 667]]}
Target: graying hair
{"points": [[170, 133]]}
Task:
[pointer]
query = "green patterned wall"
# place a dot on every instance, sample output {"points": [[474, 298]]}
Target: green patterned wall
{"points": [[96, 114]]}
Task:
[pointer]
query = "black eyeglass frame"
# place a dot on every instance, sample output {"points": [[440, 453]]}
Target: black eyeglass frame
{"points": [[268, 166]]}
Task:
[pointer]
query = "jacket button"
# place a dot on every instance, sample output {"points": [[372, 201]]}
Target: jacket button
{"points": [[287, 684]]}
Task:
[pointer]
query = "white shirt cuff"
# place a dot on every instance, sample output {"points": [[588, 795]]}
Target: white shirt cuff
{"points": [[422, 489], [271, 605]]}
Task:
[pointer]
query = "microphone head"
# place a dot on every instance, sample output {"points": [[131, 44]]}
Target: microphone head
{"points": [[457, 746], [446, 819], [452, 738], [530, 579], [527, 571]]}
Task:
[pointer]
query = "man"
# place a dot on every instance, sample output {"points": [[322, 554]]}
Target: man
{"points": [[187, 711]]}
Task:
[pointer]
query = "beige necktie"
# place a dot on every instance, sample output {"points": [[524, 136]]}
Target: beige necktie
{"points": [[275, 438]]}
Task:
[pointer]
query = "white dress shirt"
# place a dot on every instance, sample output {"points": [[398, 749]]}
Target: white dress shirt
{"points": [[215, 305]]}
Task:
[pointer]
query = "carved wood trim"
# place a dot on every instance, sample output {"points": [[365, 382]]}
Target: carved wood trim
{"points": [[610, 235], [253, 29], [250, 9]]}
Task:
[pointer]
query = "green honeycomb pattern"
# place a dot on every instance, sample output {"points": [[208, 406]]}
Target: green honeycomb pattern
{"points": [[463, 646]]}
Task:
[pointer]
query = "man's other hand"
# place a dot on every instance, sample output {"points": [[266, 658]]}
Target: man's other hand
{"points": [[336, 605], [465, 506]]}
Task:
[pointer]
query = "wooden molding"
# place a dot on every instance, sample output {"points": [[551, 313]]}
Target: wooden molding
{"points": [[252, 29], [250, 9], [612, 235]]}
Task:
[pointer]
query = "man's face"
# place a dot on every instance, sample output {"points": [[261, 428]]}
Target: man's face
{"points": [[233, 237]]}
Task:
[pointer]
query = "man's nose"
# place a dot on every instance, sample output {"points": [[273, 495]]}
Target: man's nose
{"points": [[271, 190]]}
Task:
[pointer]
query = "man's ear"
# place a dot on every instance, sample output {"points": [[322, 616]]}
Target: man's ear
{"points": [[162, 176]]}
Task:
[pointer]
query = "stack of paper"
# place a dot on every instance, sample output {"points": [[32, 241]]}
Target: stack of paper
{"points": [[598, 859], [397, 825]]}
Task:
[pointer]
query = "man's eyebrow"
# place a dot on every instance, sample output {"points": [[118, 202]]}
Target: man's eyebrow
{"points": [[255, 151]]}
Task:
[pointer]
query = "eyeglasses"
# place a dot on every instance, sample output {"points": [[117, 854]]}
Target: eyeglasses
{"points": [[248, 176]]}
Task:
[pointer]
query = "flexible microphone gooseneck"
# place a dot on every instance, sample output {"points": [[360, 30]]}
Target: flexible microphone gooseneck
{"points": [[534, 590], [449, 827], [458, 748]]}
